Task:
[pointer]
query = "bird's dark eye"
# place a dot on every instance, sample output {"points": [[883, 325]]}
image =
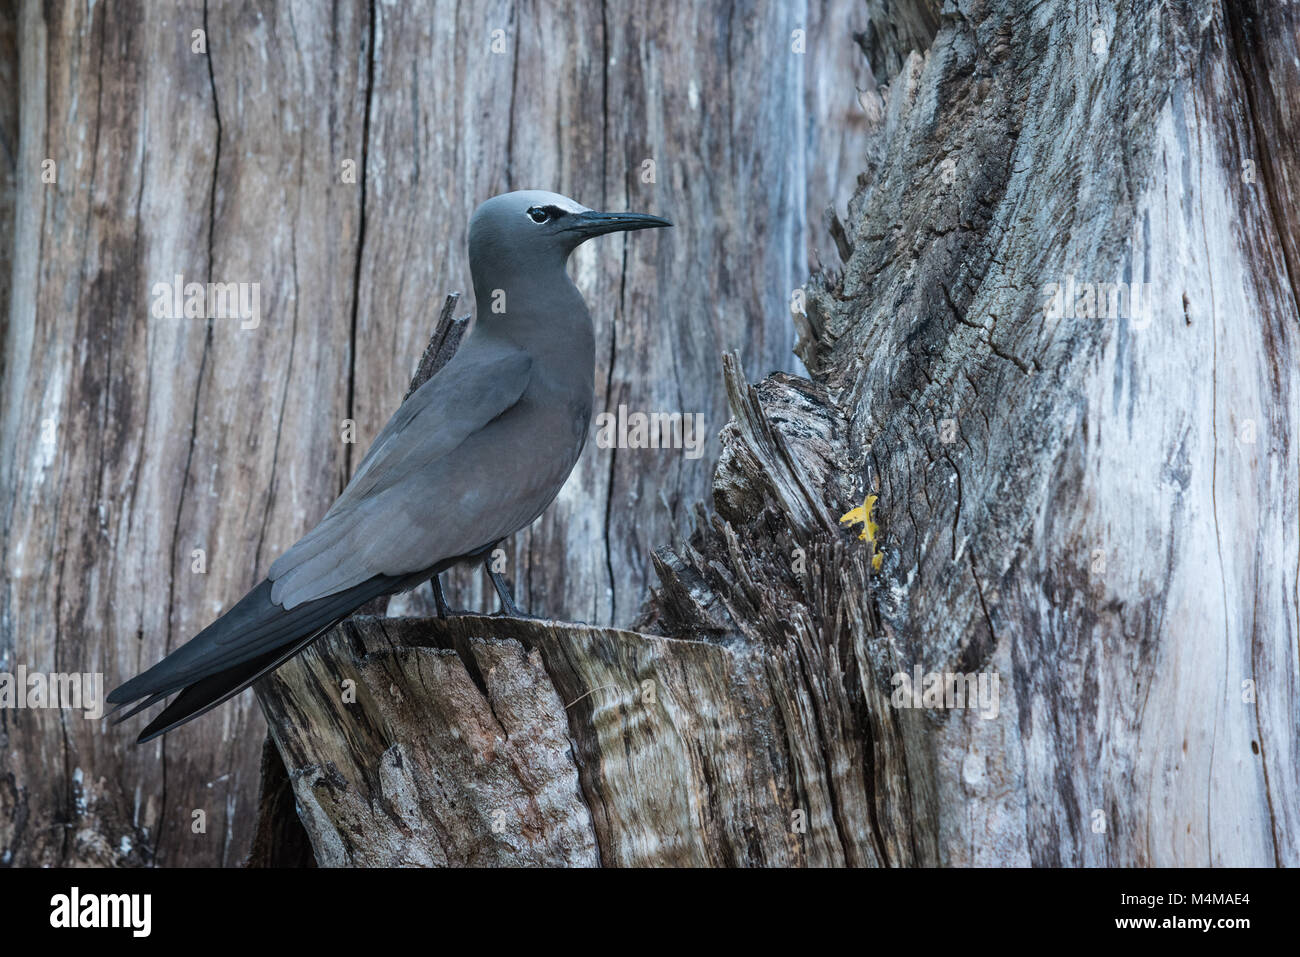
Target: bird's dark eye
{"points": [[539, 215]]}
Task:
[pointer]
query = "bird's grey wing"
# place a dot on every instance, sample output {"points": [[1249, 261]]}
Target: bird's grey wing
{"points": [[350, 544], [478, 384]]}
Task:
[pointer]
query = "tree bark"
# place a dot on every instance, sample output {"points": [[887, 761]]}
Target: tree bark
{"points": [[1097, 511]]}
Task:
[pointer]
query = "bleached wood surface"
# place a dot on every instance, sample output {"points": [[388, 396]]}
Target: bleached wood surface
{"points": [[1101, 512], [1105, 530], [175, 435]]}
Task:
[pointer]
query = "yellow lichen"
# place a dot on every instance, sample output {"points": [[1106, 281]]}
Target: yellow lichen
{"points": [[862, 516]]}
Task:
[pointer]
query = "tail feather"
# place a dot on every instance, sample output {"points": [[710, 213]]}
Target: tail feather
{"points": [[251, 639], [255, 626], [202, 696], [148, 702]]}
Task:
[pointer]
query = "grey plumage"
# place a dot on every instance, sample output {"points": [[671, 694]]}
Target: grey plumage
{"points": [[475, 454]]}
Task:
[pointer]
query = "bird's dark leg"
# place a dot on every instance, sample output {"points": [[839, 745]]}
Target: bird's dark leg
{"points": [[439, 599], [503, 590]]}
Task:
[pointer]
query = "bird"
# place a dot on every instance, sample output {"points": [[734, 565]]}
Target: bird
{"points": [[474, 455]]}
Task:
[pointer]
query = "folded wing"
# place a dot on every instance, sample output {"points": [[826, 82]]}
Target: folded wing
{"points": [[348, 547]]}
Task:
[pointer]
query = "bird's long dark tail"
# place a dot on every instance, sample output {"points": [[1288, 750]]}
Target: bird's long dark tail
{"points": [[250, 640]]}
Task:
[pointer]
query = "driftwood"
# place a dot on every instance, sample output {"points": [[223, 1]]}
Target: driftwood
{"points": [[1097, 511]]}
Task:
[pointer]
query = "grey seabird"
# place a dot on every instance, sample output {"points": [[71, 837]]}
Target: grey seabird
{"points": [[474, 455]]}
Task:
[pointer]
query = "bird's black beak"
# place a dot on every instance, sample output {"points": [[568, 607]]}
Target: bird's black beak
{"points": [[591, 223]]}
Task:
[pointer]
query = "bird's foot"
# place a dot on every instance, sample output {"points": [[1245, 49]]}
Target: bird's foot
{"points": [[515, 613], [440, 600]]}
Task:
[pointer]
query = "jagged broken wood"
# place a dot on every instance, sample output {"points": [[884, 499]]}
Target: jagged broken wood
{"points": [[1099, 512], [482, 740]]}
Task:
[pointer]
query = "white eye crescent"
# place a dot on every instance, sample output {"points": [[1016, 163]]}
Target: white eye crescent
{"points": [[538, 215]]}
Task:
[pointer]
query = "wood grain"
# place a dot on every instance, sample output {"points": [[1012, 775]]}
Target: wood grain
{"points": [[172, 435], [1110, 528], [1097, 512]]}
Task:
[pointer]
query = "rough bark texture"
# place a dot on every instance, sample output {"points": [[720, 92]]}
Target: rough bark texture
{"points": [[171, 435], [1102, 513], [447, 743], [1099, 512]]}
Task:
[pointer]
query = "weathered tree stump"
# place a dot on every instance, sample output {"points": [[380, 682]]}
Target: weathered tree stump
{"points": [[1093, 505]]}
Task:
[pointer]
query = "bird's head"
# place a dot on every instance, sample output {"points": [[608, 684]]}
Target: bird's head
{"points": [[534, 228]]}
